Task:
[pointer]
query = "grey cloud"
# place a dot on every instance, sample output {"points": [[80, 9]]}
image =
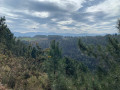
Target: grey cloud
{"points": [[45, 6], [33, 5], [55, 11], [81, 17]]}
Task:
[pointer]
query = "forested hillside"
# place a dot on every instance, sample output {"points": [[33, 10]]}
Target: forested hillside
{"points": [[29, 66], [69, 45]]}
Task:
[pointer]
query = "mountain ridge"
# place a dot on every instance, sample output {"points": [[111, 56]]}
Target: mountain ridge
{"points": [[32, 34]]}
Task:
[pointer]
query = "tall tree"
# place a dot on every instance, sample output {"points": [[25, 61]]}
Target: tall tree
{"points": [[55, 54], [118, 25], [6, 37]]}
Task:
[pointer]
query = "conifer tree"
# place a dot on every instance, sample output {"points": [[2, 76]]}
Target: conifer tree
{"points": [[6, 37], [55, 54], [118, 25]]}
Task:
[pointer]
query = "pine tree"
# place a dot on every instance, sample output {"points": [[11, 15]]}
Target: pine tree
{"points": [[55, 54], [118, 25], [34, 53], [6, 37]]}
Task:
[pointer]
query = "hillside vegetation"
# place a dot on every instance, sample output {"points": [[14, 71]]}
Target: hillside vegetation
{"points": [[69, 45], [27, 66]]}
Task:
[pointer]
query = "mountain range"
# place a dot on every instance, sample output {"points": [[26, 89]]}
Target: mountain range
{"points": [[31, 34]]}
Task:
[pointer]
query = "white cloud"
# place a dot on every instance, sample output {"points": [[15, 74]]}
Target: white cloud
{"points": [[34, 13], [8, 13], [97, 28], [33, 25], [110, 7], [91, 18], [66, 22], [30, 26], [9, 21], [24, 24], [41, 14], [54, 20]]}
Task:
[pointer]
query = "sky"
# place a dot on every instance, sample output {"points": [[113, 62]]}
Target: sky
{"points": [[61, 16]]}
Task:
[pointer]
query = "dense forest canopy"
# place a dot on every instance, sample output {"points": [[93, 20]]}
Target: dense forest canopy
{"points": [[33, 66], [70, 46]]}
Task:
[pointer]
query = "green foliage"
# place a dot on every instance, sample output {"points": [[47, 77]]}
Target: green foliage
{"points": [[108, 57], [118, 25], [69, 46], [6, 36], [25, 66], [55, 51]]}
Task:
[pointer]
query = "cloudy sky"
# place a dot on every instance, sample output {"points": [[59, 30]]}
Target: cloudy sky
{"points": [[61, 16]]}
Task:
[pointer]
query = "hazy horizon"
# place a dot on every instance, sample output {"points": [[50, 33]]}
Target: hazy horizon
{"points": [[32, 34]]}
